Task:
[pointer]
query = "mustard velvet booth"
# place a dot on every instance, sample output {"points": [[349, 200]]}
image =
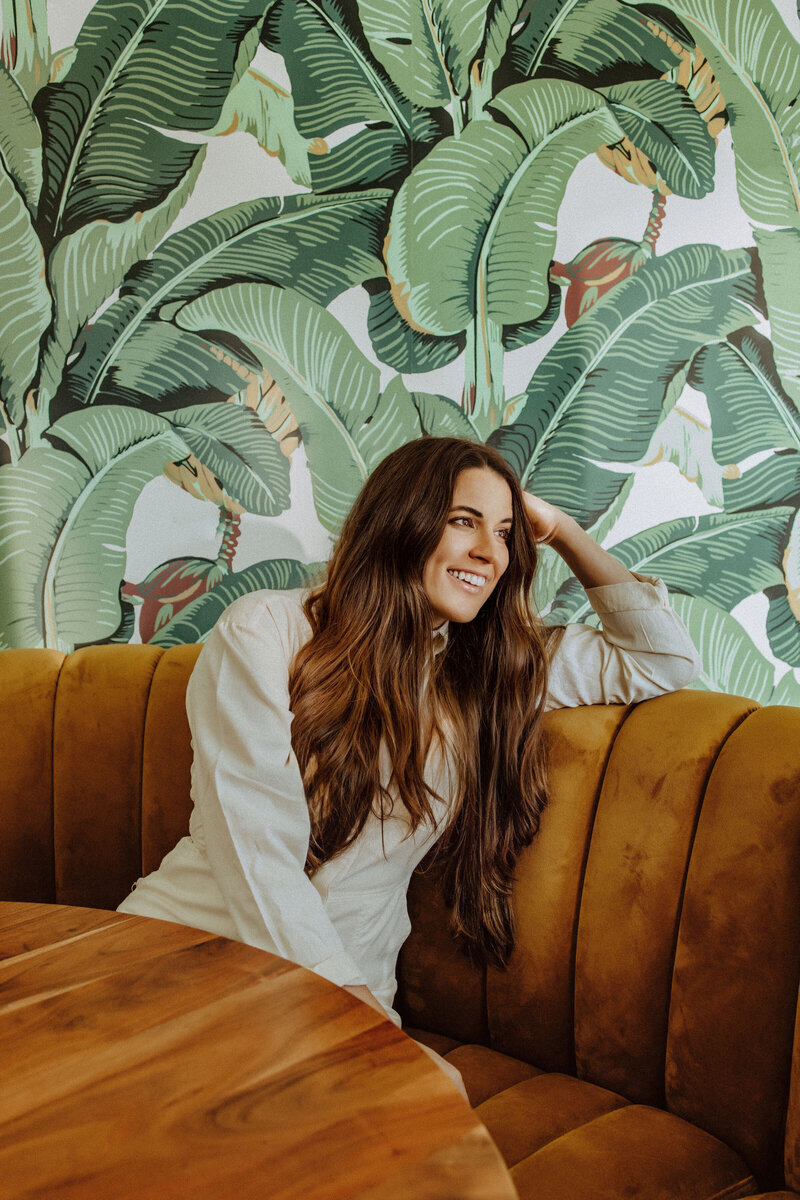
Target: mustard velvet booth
{"points": [[644, 1040]]}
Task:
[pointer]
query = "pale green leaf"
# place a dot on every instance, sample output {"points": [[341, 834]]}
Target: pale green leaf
{"points": [[260, 107], [330, 386], [732, 662], [441, 417], [235, 445], [25, 304], [20, 140], [394, 422], [473, 227], [660, 120], [64, 518], [749, 409], [787, 690], [87, 266], [779, 251]]}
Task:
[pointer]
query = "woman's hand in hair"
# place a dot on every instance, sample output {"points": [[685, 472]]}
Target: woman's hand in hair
{"points": [[592, 565], [544, 518]]}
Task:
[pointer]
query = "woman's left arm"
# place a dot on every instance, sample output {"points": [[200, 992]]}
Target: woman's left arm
{"points": [[591, 564], [643, 648]]}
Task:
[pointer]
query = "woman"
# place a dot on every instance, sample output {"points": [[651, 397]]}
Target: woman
{"points": [[338, 737]]}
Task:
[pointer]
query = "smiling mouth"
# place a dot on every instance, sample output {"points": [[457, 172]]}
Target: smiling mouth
{"points": [[471, 582]]}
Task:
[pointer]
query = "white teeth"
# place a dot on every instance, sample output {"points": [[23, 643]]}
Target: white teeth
{"points": [[467, 577]]}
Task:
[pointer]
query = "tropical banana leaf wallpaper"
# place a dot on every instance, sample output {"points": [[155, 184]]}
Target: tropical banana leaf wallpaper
{"points": [[248, 247]]}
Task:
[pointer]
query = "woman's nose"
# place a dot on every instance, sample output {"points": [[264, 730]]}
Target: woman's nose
{"points": [[486, 546]]}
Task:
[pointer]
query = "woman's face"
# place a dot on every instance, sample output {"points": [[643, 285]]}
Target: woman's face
{"points": [[463, 570]]}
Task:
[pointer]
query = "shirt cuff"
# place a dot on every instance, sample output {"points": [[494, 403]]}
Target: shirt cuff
{"points": [[340, 969], [648, 592]]}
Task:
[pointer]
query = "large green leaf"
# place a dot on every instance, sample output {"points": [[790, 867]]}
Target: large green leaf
{"points": [[319, 244], [196, 620], [25, 304], [749, 409], [779, 251], [20, 140], [64, 518], [142, 71], [473, 227], [776, 480], [161, 367], [724, 558], [429, 46], [731, 660], [260, 107], [441, 417], [783, 618], [340, 89], [397, 343], [590, 41], [597, 396], [331, 387], [87, 266], [787, 690], [755, 60], [394, 422], [662, 122], [234, 443]]}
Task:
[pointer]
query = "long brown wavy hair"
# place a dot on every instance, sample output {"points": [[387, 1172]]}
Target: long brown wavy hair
{"points": [[358, 683]]}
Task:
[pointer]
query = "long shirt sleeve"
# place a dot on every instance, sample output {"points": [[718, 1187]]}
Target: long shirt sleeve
{"points": [[249, 795], [642, 649]]}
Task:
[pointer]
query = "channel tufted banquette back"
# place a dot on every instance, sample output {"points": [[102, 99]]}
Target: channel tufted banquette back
{"points": [[658, 910]]}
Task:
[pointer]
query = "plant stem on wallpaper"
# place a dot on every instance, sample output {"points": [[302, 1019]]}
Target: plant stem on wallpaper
{"points": [[426, 150]]}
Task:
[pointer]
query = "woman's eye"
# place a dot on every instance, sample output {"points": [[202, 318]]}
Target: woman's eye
{"points": [[467, 521], [504, 534]]}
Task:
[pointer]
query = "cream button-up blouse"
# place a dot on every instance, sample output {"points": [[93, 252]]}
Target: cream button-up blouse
{"points": [[240, 872]]}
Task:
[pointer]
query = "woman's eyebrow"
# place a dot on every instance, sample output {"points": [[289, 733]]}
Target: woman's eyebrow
{"points": [[476, 513]]}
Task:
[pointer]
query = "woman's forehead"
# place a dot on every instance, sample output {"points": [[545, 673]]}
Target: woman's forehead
{"points": [[483, 489]]}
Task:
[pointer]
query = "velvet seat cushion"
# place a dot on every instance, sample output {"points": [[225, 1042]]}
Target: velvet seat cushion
{"points": [[564, 1138]]}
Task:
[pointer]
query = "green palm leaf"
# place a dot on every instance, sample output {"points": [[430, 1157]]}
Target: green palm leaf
{"points": [[233, 442], [429, 46], [64, 518], [161, 367], [756, 63], [86, 267], [597, 396], [593, 42], [441, 417], [260, 107], [25, 304], [20, 140], [168, 66], [787, 690], [731, 660], [662, 122], [320, 244], [724, 558], [779, 251], [783, 618], [338, 88], [473, 227], [776, 480], [197, 619], [749, 409], [331, 387]]}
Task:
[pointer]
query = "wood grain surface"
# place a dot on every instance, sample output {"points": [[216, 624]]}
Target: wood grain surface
{"points": [[150, 1060]]}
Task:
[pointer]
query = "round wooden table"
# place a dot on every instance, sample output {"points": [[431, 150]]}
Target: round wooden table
{"points": [[150, 1060]]}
